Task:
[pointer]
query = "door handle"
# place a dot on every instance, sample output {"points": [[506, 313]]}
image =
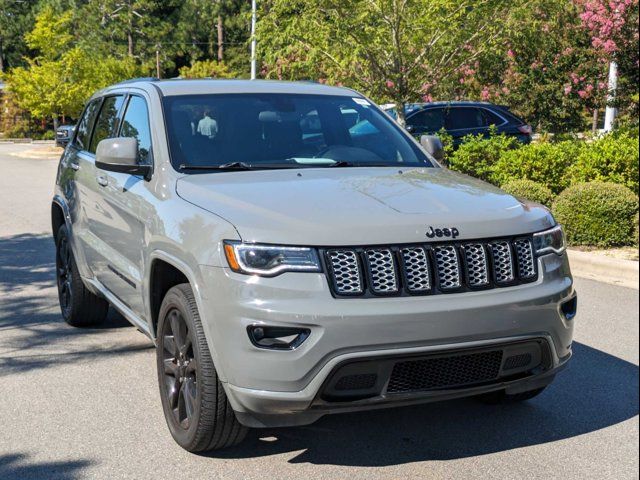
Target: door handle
{"points": [[74, 166], [102, 181]]}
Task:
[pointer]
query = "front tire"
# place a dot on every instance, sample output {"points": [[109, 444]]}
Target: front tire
{"points": [[79, 306], [195, 405]]}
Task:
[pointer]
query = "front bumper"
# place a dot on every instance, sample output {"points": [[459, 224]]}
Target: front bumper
{"points": [[272, 388]]}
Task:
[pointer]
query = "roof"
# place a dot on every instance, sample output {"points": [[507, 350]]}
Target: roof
{"points": [[409, 107], [214, 86]]}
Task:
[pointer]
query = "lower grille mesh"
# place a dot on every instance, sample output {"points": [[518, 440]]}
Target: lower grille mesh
{"points": [[445, 372]]}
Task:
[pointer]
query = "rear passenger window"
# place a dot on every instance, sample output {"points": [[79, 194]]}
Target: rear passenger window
{"points": [[465, 117], [106, 122], [135, 123], [83, 136]]}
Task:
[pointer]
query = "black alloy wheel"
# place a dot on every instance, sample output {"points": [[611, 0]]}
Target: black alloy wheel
{"points": [[180, 369]]}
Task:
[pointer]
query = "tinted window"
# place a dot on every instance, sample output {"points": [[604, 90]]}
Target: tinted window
{"points": [[491, 118], [135, 123], [430, 120], [86, 124], [106, 122], [286, 129], [465, 117]]}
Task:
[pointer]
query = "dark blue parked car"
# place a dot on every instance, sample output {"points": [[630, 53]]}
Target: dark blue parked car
{"points": [[462, 118]]}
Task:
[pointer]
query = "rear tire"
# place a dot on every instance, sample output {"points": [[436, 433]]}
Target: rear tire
{"points": [[79, 306], [194, 402], [502, 397]]}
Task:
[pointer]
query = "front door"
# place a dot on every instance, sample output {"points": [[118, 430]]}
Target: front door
{"points": [[125, 201]]}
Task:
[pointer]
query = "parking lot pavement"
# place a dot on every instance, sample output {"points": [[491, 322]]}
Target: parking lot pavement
{"points": [[85, 404]]}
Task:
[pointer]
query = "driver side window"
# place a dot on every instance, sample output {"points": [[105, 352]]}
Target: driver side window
{"points": [[135, 123]]}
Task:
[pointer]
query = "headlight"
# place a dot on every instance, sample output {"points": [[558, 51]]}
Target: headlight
{"points": [[270, 260], [550, 241]]}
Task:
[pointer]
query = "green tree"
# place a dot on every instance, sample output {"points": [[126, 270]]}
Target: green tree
{"points": [[206, 69], [131, 28], [391, 49], [215, 29], [16, 18], [62, 76]]}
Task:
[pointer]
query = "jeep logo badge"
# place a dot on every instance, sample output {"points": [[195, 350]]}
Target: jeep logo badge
{"points": [[443, 232]]}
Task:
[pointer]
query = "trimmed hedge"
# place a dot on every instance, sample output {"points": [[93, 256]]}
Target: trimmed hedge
{"points": [[477, 155], [597, 213], [545, 163], [529, 190], [611, 158]]}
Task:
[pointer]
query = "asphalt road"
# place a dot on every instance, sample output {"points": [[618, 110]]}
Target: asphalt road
{"points": [[85, 404]]}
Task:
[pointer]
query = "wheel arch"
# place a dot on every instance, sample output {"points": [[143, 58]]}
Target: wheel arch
{"points": [[59, 215], [166, 271]]}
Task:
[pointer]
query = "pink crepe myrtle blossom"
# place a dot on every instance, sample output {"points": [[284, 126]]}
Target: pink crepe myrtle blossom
{"points": [[485, 94], [390, 84], [568, 89]]}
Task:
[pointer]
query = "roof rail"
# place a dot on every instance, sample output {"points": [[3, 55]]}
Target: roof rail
{"points": [[140, 79]]}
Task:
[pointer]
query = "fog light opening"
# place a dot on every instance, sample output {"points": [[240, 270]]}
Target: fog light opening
{"points": [[570, 308], [277, 338]]}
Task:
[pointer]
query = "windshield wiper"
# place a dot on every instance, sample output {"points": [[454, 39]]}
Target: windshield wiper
{"points": [[224, 166], [341, 163]]}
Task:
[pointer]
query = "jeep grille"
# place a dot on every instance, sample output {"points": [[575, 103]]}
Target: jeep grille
{"points": [[430, 268]]}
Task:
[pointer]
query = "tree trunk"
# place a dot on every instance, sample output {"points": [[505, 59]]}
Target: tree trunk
{"points": [[130, 43], [220, 40], [400, 116], [55, 123], [594, 124]]}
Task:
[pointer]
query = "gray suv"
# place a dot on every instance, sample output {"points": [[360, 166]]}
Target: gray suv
{"points": [[292, 252]]}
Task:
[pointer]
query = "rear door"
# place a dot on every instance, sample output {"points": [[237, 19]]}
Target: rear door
{"points": [[127, 206], [463, 121]]}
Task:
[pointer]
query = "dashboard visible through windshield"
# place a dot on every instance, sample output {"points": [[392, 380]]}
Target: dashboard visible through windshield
{"points": [[247, 131]]}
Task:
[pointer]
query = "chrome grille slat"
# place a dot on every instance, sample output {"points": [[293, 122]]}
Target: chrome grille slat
{"points": [[524, 256], [382, 271], [417, 269], [502, 262], [448, 266], [346, 271], [430, 268], [477, 265]]}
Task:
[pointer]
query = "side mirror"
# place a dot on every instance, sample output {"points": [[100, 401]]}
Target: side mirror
{"points": [[433, 145], [121, 155]]}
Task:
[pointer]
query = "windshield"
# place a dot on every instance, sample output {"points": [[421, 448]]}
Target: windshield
{"points": [[283, 130]]}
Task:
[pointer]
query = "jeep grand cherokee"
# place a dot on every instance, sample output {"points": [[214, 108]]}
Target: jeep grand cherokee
{"points": [[292, 252]]}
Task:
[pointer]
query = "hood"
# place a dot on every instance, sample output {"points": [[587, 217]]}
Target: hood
{"points": [[359, 206]]}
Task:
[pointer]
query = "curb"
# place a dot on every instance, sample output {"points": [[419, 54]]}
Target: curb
{"points": [[614, 271], [26, 140]]}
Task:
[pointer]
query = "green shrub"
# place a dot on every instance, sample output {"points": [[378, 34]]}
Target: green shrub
{"points": [[636, 229], [597, 213], [477, 155], [545, 163], [529, 190], [612, 158]]}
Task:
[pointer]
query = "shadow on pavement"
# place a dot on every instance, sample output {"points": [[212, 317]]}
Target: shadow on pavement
{"points": [[35, 333], [596, 391], [17, 467]]}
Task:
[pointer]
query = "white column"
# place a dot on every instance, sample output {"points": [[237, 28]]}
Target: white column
{"points": [[610, 113], [253, 39]]}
